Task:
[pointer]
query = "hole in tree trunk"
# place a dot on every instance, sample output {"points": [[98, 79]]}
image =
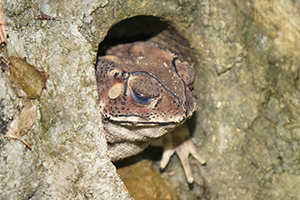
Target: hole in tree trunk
{"points": [[152, 29], [140, 28], [148, 28]]}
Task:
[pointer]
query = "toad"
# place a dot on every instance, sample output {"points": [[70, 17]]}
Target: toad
{"points": [[145, 96]]}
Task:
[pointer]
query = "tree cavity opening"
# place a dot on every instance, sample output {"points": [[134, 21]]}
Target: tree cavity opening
{"points": [[147, 28]]}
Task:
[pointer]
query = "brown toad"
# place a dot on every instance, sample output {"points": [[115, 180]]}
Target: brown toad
{"points": [[145, 92]]}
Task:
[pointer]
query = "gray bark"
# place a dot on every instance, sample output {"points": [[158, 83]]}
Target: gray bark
{"points": [[246, 55]]}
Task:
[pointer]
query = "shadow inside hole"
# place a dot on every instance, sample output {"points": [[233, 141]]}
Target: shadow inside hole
{"points": [[140, 28], [153, 153]]}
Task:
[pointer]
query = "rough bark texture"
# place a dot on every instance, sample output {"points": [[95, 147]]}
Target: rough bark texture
{"points": [[246, 55]]}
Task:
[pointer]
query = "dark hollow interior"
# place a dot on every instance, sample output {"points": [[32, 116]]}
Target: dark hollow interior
{"points": [[139, 28]]}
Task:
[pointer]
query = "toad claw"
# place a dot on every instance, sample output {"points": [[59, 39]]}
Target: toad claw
{"points": [[183, 151], [165, 158], [177, 142]]}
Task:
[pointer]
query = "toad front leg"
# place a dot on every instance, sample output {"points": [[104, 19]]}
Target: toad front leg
{"points": [[179, 141]]}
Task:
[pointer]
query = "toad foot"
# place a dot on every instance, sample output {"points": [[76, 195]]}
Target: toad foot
{"points": [[176, 142]]}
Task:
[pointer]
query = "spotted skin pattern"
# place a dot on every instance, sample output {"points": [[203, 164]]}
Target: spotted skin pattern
{"points": [[144, 92]]}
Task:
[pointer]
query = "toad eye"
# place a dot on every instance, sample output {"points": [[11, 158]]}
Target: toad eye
{"points": [[140, 98]]}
